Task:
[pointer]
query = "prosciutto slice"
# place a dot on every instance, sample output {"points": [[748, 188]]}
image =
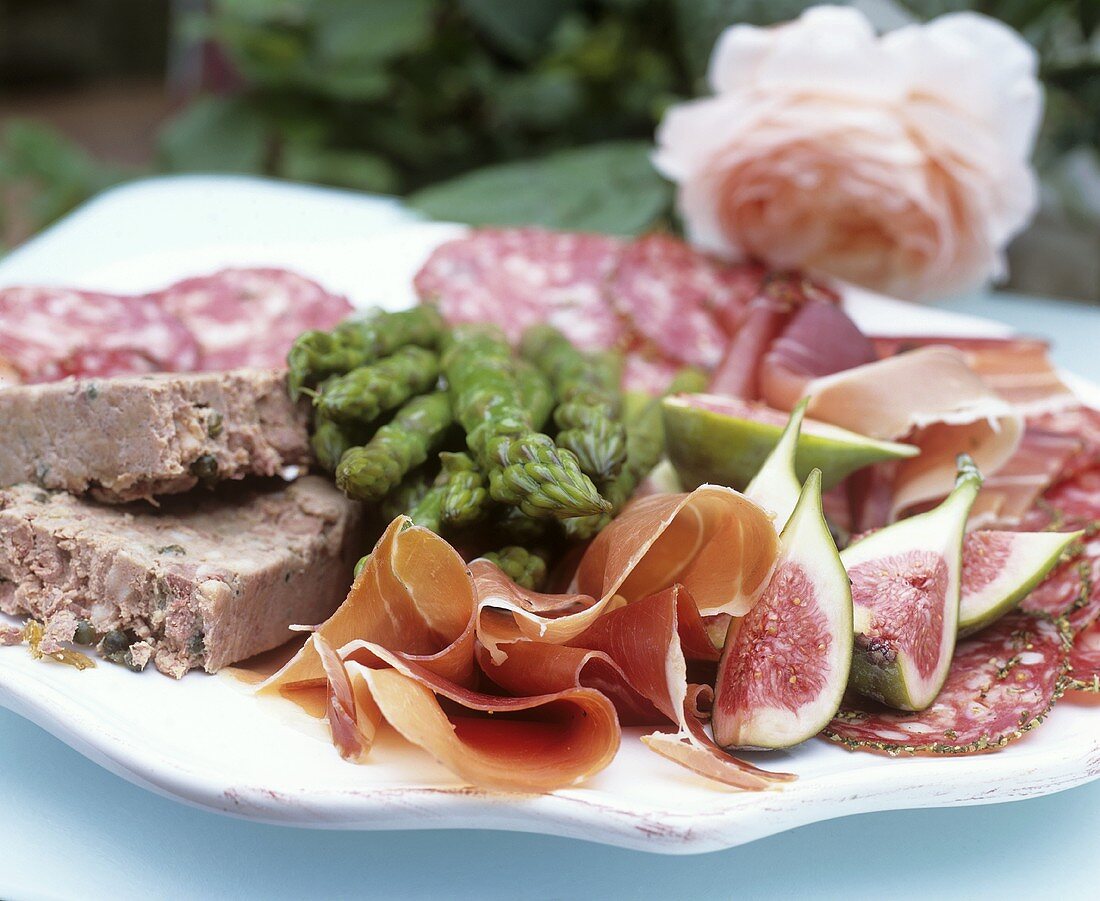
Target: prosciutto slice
{"points": [[527, 744], [402, 650], [932, 399], [1018, 369], [819, 340], [714, 541], [1008, 495], [414, 597], [737, 374], [638, 655], [774, 310]]}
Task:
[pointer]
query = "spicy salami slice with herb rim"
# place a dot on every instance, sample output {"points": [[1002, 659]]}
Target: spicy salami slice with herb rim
{"points": [[1002, 684], [50, 333], [1075, 502], [1064, 590], [250, 317], [519, 277], [1084, 660]]}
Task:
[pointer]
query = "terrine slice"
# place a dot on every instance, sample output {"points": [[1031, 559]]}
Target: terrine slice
{"points": [[202, 581], [121, 439]]}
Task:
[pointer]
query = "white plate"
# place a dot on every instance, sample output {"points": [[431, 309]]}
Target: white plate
{"points": [[207, 742]]}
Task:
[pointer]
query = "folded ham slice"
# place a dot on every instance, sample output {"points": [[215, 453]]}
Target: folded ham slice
{"points": [[526, 744], [1009, 494], [1018, 369], [637, 655], [414, 597], [928, 397], [818, 341], [714, 541], [402, 649]]}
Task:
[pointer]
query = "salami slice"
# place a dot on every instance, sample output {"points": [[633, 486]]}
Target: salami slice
{"points": [[1002, 684], [645, 371], [1064, 590], [1076, 501], [250, 317], [49, 333], [1084, 660], [516, 278], [676, 298], [1085, 613]]}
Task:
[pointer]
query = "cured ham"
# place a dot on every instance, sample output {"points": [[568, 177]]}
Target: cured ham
{"points": [[770, 315], [414, 597], [714, 541], [737, 374], [1082, 425], [932, 399], [638, 655], [538, 743], [820, 340], [1018, 369], [1009, 493], [401, 649]]}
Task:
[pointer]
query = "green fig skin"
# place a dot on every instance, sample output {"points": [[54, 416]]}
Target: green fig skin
{"points": [[877, 667], [707, 446], [974, 618]]}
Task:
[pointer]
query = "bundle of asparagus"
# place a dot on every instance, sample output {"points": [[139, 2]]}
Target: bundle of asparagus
{"points": [[510, 455]]}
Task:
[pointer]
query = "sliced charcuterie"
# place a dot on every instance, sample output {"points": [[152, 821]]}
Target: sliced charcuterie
{"points": [[675, 295], [1084, 660], [1002, 683], [516, 278], [1018, 369], [250, 317], [1076, 502], [1063, 591], [49, 333]]}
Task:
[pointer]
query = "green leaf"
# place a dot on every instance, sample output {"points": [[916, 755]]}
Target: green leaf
{"points": [[215, 134], [520, 28], [50, 173], [351, 83], [359, 33], [609, 187], [341, 168], [537, 99]]}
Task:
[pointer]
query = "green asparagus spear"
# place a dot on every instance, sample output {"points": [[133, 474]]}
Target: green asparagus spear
{"points": [[608, 367], [357, 342], [535, 393], [524, 567], [465, 498], [428, 511], [645, 445], [363, 394], [587, 410], [371, 471], [329, 442], [406, 495], [359, 564], [525, 467]]}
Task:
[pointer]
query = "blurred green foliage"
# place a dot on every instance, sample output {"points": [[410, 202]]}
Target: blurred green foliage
{"points": [[500, 111]]}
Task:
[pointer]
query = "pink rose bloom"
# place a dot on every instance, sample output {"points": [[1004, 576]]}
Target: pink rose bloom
{"points": [[897, 162]]}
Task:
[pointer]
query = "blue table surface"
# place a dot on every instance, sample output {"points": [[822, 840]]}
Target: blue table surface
{"points": [[69, 829]]}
